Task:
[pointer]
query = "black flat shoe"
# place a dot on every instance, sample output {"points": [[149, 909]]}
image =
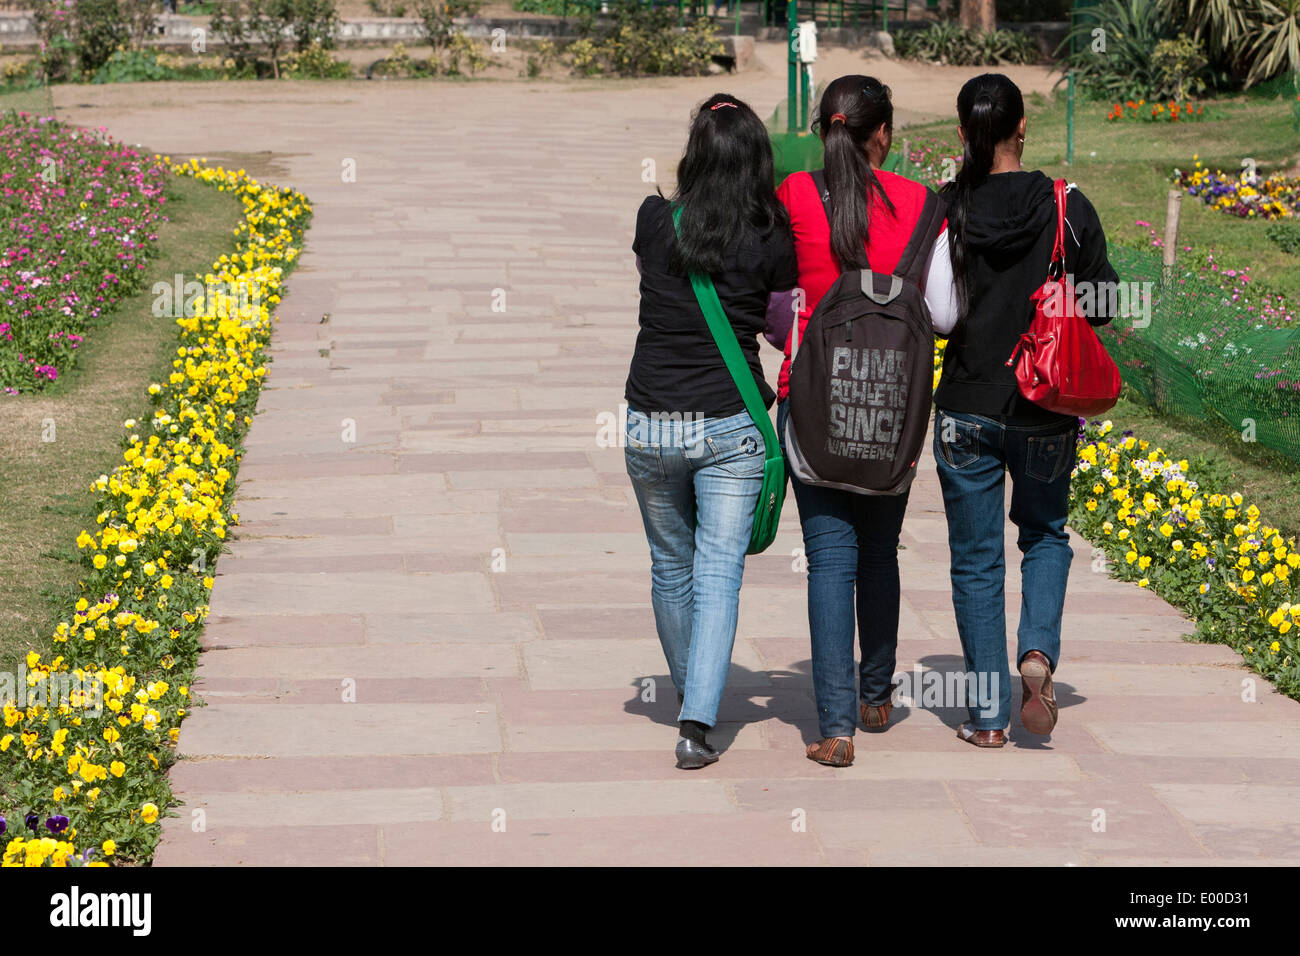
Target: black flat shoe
{"points": [[693, 756]]}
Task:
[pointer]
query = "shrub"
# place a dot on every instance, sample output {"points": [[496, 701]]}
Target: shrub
{"points": [[388, 8], [644, 42], [1178, 65], [315, 63], [1286, 236], [461, 48], [133, 66], [19, 73], [949, 43], [400, 64]]}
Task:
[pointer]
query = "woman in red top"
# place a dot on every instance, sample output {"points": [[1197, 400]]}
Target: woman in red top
{"points": [[851, 540]]}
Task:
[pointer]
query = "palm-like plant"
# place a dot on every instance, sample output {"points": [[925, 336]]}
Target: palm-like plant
{"points": [[1220, 24], [1131, 30], [1277, 44], [1258, 37]]}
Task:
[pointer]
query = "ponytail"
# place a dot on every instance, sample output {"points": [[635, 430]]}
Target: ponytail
{"points": [[851, 110], [989, 108]]}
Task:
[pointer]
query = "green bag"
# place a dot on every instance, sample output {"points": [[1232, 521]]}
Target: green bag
{"points": [[767, 513]]}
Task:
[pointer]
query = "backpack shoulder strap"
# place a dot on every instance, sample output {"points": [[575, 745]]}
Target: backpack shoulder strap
{"points": [[819, 180], [911, 264]]}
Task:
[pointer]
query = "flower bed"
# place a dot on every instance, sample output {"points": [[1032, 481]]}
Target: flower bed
{"points": [[79, 215], [1248, 194], [88, 781], [1210, 554], [1168, 112]]}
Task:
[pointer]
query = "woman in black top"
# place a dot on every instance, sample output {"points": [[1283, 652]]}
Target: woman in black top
{"points": [[693, 453], [1002, 221]]}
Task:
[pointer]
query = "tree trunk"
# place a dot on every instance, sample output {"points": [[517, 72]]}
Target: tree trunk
{"points": [[979, 15]]}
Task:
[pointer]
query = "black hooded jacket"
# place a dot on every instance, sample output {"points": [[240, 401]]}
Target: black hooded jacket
{"points": [[1009, 234]]}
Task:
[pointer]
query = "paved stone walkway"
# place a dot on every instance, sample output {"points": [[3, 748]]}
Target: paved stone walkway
{"points": [[378, 692]]}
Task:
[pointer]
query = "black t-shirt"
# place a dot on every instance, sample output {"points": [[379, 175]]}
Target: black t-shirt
{"points": [[677, 366]]}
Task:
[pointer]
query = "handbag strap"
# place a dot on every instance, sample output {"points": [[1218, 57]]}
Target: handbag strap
{"points": [[1059, 189], [706, 294]]}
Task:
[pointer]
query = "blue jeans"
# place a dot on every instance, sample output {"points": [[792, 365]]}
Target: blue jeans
{"points": [[973, 453], [697, 482], [851, 545]]}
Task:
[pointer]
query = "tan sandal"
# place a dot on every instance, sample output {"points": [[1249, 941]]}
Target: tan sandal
{"points": [[876, 716], [832, 752]]}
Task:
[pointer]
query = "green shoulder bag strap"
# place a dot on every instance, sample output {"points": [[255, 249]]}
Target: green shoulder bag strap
{"points": [[767, 512]]}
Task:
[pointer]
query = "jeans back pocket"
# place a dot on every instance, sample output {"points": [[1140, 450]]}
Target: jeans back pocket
{"points": [[1047, 457], [738, 453], [958, 441], [644, 462]]}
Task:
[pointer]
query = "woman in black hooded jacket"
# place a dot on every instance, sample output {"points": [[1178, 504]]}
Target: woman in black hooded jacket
{"points": [[1002, 223]]}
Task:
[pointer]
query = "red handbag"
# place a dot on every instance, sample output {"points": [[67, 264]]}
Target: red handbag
{"points": [[1060, 363]]}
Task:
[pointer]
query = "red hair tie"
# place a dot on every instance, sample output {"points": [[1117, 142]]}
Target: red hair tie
{"points": [[718, 106], [840, 117]]}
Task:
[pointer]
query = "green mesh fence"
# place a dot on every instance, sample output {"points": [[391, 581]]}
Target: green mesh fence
{"points": [[1204, 356]]}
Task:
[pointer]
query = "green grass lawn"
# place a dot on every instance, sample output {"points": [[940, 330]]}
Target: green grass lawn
{"points": [[45, 496]]}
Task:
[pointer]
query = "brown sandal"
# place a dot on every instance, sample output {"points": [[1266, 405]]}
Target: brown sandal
{"points": [[1038, 698], [981, 738], [876, 716], [832, 752]]}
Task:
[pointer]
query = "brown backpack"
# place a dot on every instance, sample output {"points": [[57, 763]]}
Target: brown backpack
{"points": [[862, 379]]}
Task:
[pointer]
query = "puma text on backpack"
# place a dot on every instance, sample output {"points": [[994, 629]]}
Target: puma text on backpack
{"points": [[862, 379]]}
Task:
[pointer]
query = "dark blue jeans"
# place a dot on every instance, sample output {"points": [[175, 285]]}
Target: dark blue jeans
{"points": [[973, 454], [851, 544]]}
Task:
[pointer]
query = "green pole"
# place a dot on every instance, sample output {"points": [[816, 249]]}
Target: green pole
{"points": [[681, 14], [792, 100], [884, 16], [805, 94], [1069, 118]]}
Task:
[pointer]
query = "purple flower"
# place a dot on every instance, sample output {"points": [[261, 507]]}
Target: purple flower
{"points": [[4, 825], [56, 824], [33, 822]]}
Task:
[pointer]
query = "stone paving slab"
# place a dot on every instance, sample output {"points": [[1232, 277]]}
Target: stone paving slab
{"points": [[432, 644]]}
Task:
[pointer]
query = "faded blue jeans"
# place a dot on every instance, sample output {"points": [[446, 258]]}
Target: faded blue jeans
{"points": [[697, 482], [973, 454]]}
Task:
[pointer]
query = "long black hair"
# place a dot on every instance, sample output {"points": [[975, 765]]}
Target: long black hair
{"points": [[852, 108], [989, 108], [724, 184]]}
